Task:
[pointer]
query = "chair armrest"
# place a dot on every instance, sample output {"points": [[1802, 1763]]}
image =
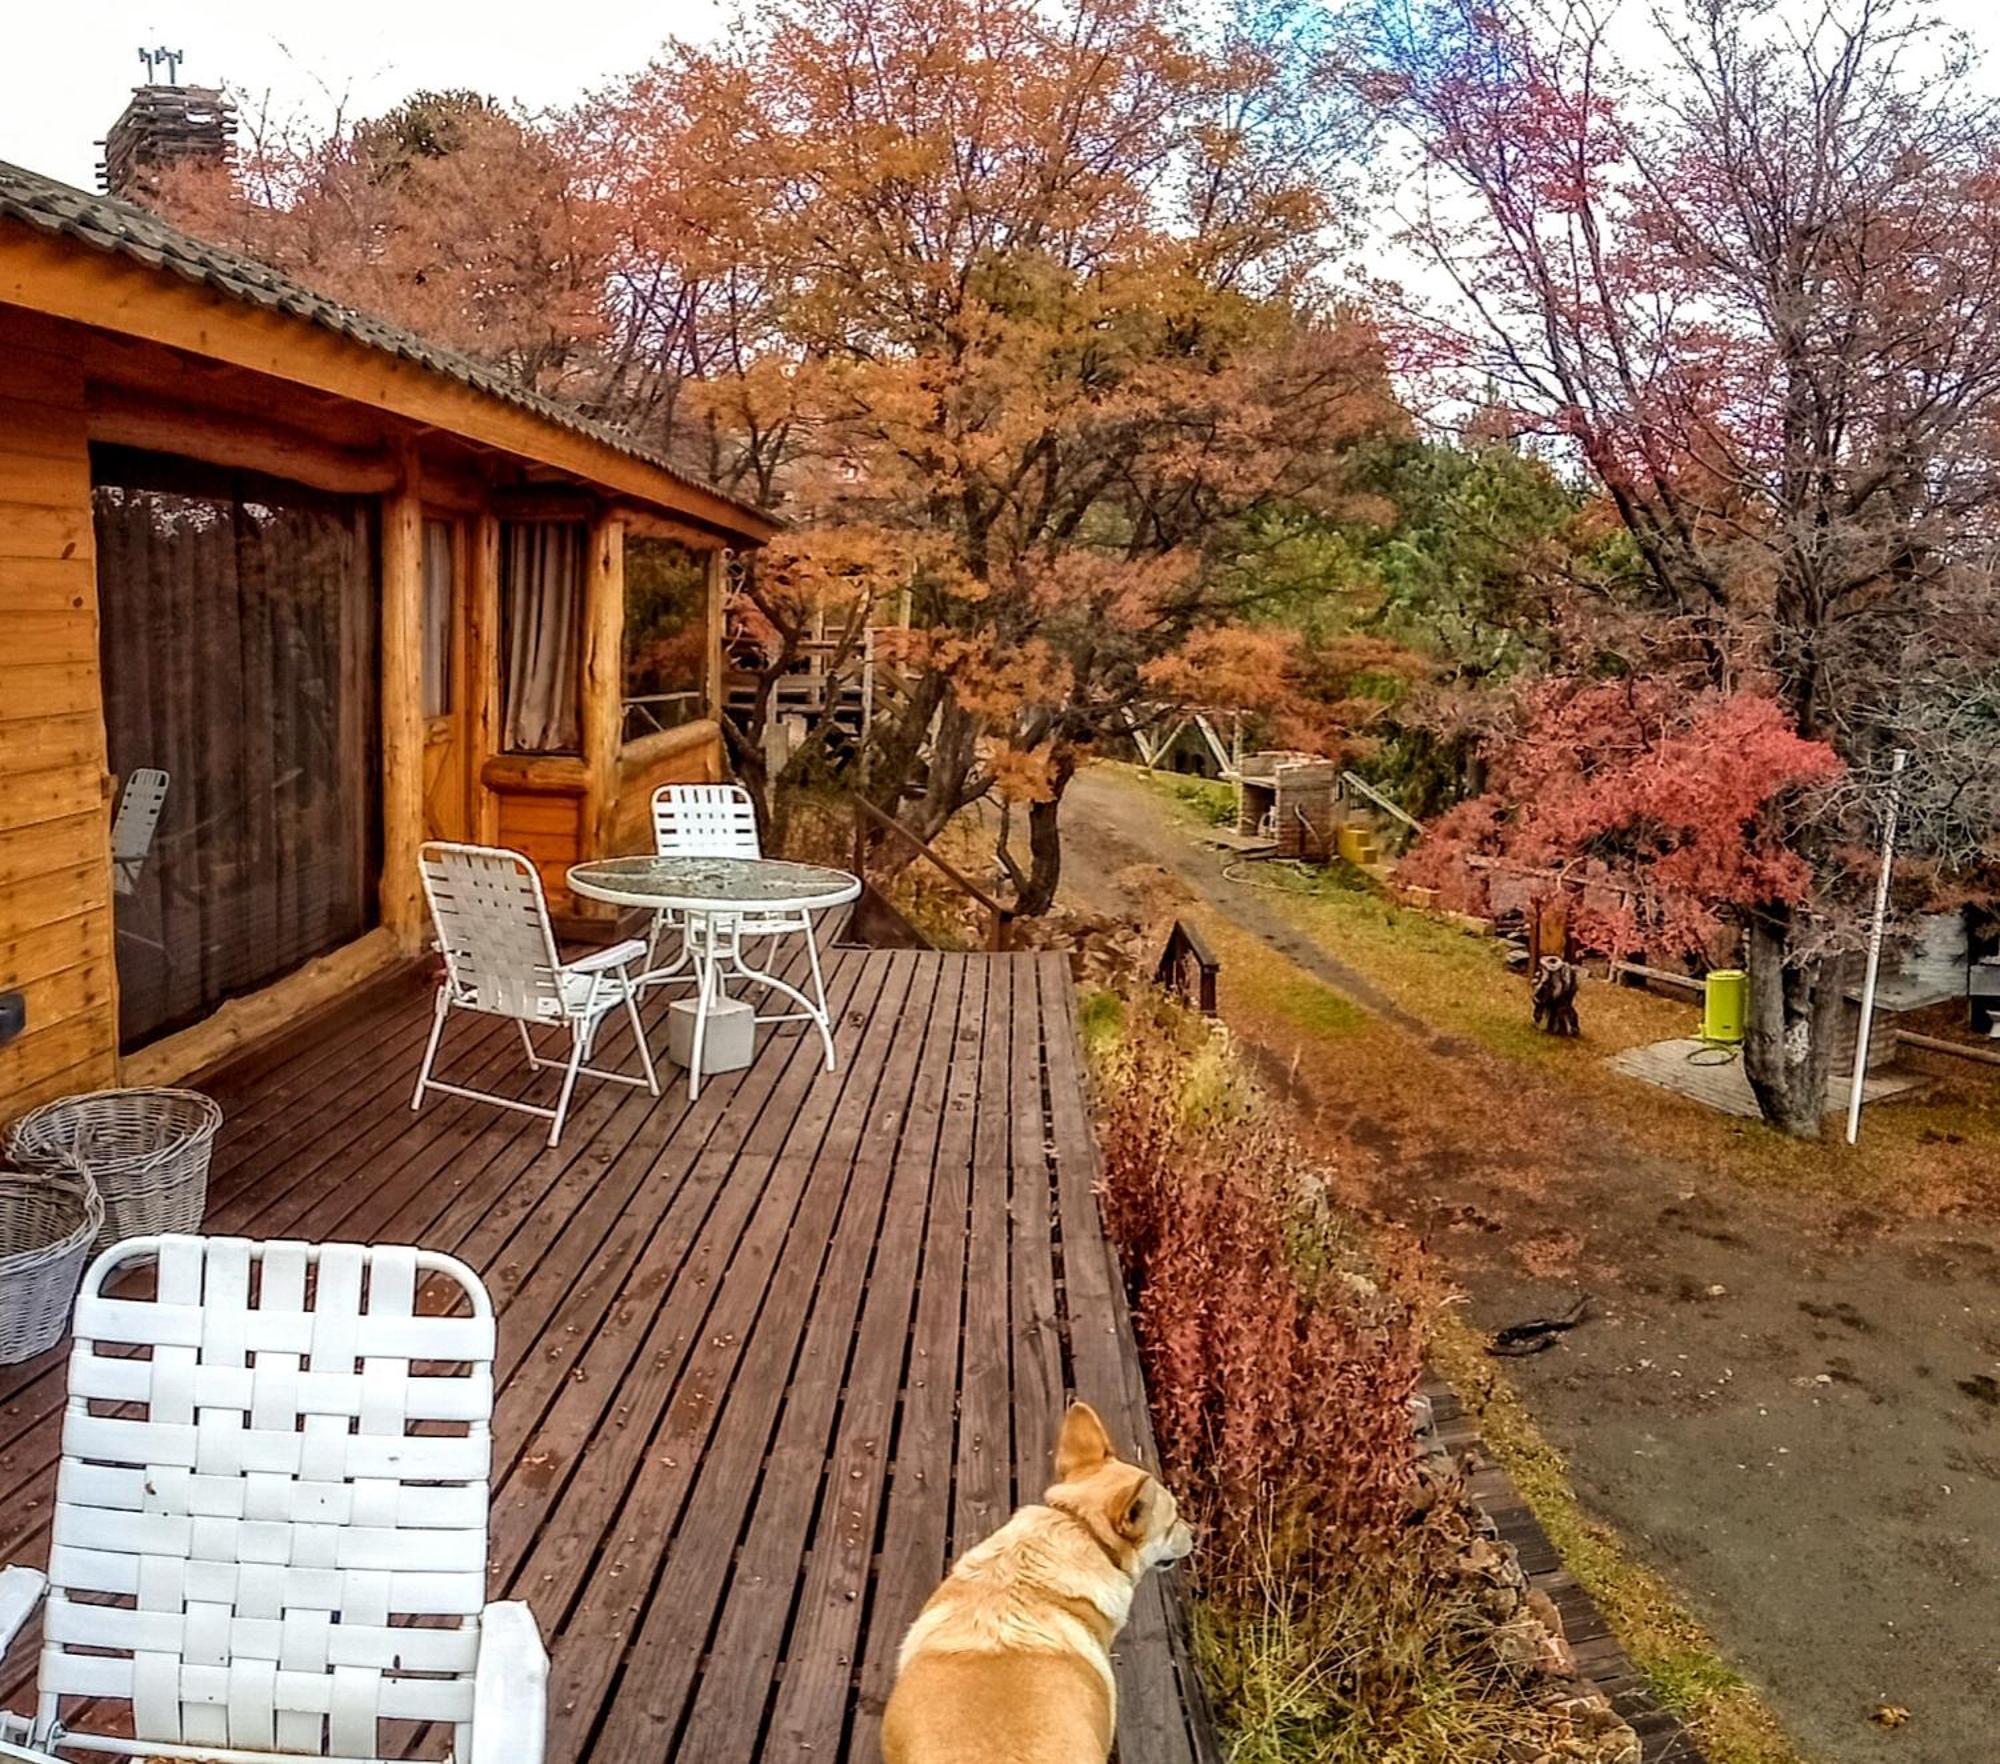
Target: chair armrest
{"points": [[615, 957], [21, 1590], [510, 1688]]}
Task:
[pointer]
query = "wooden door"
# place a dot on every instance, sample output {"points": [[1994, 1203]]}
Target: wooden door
{"points": [[447, 763]]}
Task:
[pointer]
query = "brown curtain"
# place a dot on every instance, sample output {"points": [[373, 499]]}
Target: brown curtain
{"points": [[238, 633], [541, 600]]}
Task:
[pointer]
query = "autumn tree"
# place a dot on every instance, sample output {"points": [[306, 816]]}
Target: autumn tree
{"points": [[450, 215], [1751, 288], [1040, 287]]}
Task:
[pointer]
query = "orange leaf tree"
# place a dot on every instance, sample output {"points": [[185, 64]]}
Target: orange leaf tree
{"points": [[1039, 288], [449, 214]]}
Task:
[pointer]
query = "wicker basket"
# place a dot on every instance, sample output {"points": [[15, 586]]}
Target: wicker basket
{"points": [[47, 1223], [147, 1151]]}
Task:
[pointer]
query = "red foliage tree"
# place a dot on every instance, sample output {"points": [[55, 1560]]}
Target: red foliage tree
{"points": [[1750, 285], [1660, 812]]}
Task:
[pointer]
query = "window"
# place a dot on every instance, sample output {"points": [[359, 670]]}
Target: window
{"points": [[541, 630], [238, 631], [666, 635], [440, 574]]}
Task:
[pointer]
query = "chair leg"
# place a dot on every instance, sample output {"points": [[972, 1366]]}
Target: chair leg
{"points": [[819, 991], [569, 1081], [639, 1033], [535, 1060], [705, 967], [430, 1049]]}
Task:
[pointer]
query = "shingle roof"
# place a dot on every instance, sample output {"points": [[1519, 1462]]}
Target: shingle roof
{"points": [[122, 229]]}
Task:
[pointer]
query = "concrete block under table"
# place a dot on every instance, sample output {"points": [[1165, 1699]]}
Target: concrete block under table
{"points": [[728, 1039]]}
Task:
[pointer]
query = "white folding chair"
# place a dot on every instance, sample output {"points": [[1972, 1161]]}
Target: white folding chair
{"points": [[132, 828], [500, 958], [720, 820], [270, 1535], [696, 820]]}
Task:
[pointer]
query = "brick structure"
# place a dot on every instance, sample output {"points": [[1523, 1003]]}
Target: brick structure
{"points": [[163, 126], [1295, 796]]}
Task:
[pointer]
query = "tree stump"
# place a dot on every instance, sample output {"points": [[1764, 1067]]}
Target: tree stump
{"points": [[1555, 996]]}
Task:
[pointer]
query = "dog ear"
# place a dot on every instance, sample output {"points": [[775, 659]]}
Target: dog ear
{"points": [[1083, 1445], [1129, 1514]]}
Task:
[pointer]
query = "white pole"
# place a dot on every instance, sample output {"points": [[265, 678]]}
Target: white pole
{"points": [[1875, 945]]}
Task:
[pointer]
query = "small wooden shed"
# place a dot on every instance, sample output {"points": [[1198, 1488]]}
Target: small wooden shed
{"points": [[345, 589]]}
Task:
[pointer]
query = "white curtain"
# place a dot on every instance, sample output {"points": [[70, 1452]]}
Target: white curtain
{"points": [[541, 586]]}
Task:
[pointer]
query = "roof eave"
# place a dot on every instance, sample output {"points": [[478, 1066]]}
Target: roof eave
{"points": [[70, 271]]}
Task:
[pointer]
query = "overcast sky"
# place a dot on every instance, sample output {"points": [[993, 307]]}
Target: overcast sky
{"points": [[69, 65]]}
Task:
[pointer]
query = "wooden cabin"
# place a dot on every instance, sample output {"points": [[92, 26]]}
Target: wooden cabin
{"points": [[346, 590]]}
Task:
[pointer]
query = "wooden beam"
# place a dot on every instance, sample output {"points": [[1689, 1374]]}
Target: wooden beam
{"points": [[240, 1021], [647, 751], [402, 707], [603, 678], [482, 670], [643, 523], [136, 419], [537, 774], [80, 283], [546, 502]]}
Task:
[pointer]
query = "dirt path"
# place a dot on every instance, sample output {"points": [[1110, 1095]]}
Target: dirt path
{"points": [[1792, 1413]]}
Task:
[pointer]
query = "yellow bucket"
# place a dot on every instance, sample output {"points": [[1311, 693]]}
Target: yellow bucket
{"points": [[1725, 997]]}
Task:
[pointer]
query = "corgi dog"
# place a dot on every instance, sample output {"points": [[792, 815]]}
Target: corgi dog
{"points": [[1009, 1662]]}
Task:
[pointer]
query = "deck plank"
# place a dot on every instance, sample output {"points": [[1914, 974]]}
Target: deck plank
{"points": [[766, 1360], [738, 1380], [917, 1513], [982, 1486]]}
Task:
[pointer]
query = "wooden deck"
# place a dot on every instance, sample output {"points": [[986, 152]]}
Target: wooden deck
{"points": [[767, 1361], [1691, 1068]]}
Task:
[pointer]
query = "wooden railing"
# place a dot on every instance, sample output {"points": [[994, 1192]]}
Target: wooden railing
{"points": [[867, 814], [1187, 966], [654, 713]]}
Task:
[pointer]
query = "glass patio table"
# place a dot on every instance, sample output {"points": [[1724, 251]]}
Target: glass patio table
{"points": [[718, 902]]}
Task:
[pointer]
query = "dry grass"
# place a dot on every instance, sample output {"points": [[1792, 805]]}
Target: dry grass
{"points": [[1929, 1157], [1273, 1659], [1373, 1668], [1516, 1093]]}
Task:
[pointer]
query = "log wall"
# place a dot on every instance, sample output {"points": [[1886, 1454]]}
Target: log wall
{"points": [[55, 851], [57, 943]]}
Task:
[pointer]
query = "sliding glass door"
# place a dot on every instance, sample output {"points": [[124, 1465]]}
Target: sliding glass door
{"points": [[239, 647]]}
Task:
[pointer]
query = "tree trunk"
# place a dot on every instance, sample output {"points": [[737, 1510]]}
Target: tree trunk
{"points": [[1794, 1003], [1045, 844]]}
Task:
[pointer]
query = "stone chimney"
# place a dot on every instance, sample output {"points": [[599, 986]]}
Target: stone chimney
{"points": [[163, 126]]}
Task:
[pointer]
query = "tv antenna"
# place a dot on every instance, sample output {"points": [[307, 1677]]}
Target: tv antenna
{"points": [[155, 59]]}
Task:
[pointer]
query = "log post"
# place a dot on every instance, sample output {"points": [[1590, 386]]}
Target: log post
{"points": [[603, 680], [402, 707], [718, 691]]}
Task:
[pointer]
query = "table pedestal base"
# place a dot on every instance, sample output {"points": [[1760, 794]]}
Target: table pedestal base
{"points": [[728, 1041]]}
